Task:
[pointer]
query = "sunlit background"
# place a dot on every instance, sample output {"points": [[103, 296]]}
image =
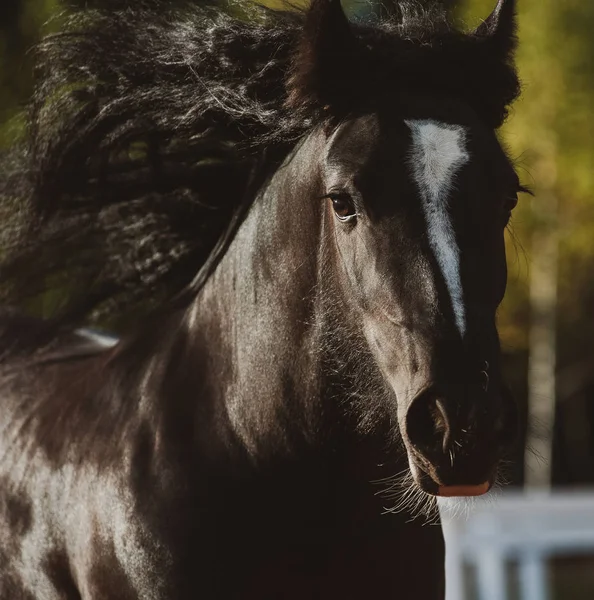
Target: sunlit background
{"points": [[547, 320]]}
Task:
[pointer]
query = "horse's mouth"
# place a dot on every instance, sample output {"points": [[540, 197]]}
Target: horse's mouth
{"points": [[452, 491], [470, 487]]}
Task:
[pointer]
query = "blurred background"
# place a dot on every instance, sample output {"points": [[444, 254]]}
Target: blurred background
{"points": [[546, 321]]}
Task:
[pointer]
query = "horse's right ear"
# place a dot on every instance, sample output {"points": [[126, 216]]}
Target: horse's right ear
{"points": [[326, 70]]}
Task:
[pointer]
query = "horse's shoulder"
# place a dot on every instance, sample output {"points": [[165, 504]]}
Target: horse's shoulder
{"points": [[43, 381]]}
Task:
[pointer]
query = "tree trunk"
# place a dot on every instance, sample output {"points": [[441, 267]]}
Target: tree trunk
{"points": [[543, 338]]}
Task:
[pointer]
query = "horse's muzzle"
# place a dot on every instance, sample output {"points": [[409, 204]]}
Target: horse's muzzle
{"points": [[456, 438]]}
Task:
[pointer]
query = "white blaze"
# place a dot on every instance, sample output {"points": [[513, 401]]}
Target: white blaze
{"points": [[438, 152]]}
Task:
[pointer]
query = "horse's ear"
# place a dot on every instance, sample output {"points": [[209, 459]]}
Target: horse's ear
{"points": [[500, 28], [326, 67], [498, 85]]}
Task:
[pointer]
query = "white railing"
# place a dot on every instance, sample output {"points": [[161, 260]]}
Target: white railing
{"points": [[527, 528]]}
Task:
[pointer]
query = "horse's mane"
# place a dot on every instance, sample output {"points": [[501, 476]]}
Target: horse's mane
{"points": [[152, 127]]}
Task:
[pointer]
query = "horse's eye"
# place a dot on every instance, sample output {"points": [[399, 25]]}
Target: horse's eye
{"points": [[343, 207]]}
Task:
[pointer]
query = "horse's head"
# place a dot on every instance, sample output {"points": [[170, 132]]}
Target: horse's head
{"points": [[417, 193], [419, 207]]}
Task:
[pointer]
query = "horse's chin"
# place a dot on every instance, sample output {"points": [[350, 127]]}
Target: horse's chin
{"points": [[457, 502], [414, 492]]}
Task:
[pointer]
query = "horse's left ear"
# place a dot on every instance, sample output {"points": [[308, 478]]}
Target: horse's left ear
{"points": [[326, 69], [498, 86], [500, 28]]}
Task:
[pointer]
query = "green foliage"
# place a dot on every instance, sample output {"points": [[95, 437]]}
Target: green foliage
{"points": [[20, 28]]}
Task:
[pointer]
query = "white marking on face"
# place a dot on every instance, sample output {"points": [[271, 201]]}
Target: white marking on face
{"points": [[438, 152]]}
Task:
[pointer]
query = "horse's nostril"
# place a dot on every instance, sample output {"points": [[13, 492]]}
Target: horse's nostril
{"points": [[442, 424], [428, 426]]}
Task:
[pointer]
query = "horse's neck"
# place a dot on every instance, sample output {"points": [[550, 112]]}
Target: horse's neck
{"points": [[258, 316], [258, 338]]}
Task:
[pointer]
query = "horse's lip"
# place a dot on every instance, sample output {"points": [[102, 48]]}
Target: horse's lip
{"points": [[450, 491], [433, 488]]}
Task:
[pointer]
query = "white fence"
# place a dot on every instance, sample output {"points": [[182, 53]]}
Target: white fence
{"points": [[526, 528]]}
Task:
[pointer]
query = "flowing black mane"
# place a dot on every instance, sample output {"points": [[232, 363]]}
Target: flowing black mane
{"points": [[152, 128]]}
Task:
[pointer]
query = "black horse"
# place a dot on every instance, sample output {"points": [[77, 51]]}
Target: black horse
{"points": [[302, 221]]}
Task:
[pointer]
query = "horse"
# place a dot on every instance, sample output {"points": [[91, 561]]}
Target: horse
{"points": [[295, 223]]}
